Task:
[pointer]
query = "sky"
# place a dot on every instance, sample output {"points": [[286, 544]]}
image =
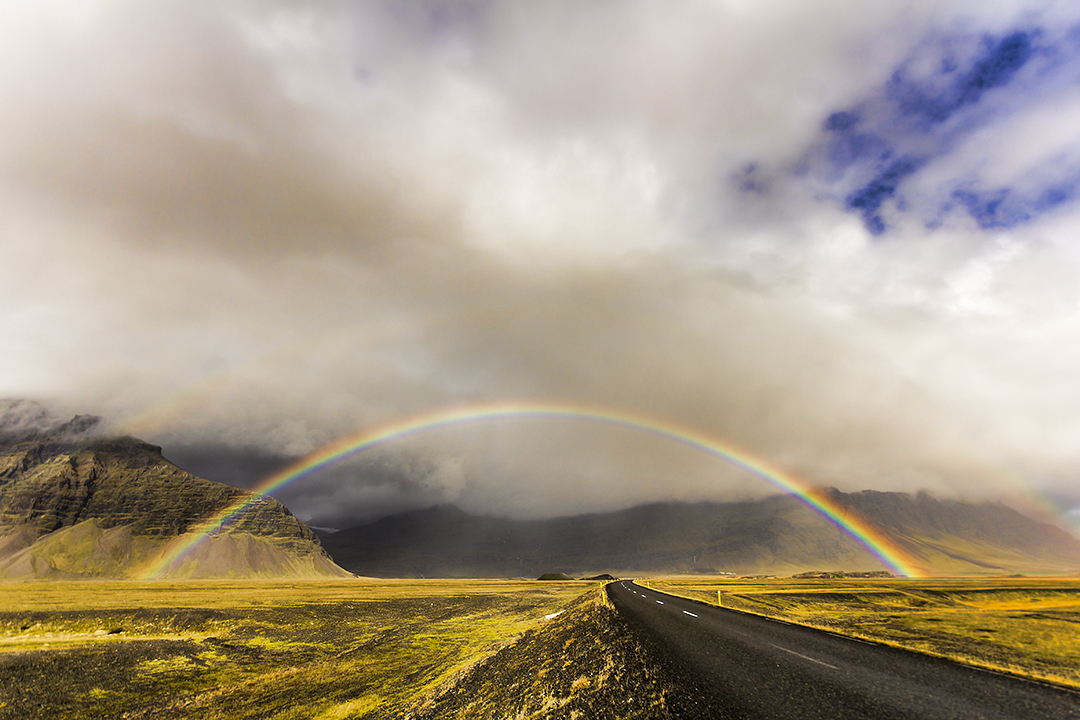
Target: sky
{"points": [[839, 235]]}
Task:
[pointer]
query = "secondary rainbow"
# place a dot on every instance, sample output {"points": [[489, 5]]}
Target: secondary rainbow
{"points": [[888, 552]]}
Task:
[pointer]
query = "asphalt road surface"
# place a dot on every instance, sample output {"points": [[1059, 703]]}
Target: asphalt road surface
{"points": [[732, 665]]}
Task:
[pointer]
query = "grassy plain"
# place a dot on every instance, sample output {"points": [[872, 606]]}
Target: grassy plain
{"points": [[1024, 626], [355, 648]]}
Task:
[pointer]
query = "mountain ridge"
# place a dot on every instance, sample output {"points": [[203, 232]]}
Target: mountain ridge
{"points": [[778, 534], [78, 502], [74, 503]]}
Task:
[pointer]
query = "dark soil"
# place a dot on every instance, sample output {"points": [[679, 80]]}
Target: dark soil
{"points": [[585, 663]]}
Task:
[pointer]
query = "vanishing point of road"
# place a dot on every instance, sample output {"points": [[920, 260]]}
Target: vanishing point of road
{"points": [[734, 665]]}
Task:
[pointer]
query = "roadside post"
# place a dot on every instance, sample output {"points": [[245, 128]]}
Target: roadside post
{"points": [[719, 600]]}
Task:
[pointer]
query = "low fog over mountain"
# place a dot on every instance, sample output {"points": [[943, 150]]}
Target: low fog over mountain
{"points": [[839, 236]]}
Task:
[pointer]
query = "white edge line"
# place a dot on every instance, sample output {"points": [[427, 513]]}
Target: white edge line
{"points": [[804, 657]]}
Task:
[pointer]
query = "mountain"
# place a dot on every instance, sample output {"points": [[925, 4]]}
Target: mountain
{"points": [[74, 503], [953, 536], [77, 502], [775, 535]]}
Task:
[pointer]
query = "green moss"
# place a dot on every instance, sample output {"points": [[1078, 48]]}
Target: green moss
{"points": [[238, 650]]}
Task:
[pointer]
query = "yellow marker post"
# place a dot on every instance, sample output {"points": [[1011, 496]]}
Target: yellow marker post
{"points": [[719, 600]]}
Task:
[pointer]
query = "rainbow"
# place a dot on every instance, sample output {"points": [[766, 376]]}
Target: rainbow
{"points": [[895, 558]]}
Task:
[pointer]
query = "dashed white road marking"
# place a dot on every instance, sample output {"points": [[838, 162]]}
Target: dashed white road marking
{"points": [[659, 603], [687, 612], [804, 657]]}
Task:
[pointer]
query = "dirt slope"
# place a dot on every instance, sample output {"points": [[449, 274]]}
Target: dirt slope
{"points": [[584, 663]]}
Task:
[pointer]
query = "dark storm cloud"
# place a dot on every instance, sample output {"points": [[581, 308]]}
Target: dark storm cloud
{"points": [[838, 235]]}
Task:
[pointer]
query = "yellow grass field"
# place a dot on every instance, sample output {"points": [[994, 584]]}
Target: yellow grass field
{"points": [[381, 648], [1025, 626], [252, 649]]}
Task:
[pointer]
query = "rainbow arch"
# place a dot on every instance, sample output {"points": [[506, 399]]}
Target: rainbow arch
{"points": [[892, 555]]}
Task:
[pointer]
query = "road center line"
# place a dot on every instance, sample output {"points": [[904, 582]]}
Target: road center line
{"points": [[659, 603], [687, 612], [804, 657]]}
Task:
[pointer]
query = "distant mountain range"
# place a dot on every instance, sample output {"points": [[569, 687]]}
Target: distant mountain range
{"points": [[776, 535], [75, 504]]}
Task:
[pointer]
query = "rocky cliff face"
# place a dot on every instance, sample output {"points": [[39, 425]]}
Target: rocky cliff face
{"points": [[124, 496]]}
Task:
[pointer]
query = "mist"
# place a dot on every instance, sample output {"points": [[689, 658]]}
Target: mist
{"points": [[840, 237]]}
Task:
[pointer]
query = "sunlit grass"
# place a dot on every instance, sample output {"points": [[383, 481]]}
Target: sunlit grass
{"points": [[251, 649], [1026, 626]]}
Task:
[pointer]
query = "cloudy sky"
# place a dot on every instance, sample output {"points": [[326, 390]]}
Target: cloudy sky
{"points": [[841, 235]]}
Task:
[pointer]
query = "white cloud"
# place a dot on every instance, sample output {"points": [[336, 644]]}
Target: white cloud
{"points": [[263, 225]]}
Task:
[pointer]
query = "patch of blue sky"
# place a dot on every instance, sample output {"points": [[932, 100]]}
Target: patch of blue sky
{"points": [[1003, 208], [959, 82], [868, 199], [943, 133]]}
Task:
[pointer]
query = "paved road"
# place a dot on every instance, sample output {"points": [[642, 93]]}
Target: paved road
{"points": [[734, 665]]}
